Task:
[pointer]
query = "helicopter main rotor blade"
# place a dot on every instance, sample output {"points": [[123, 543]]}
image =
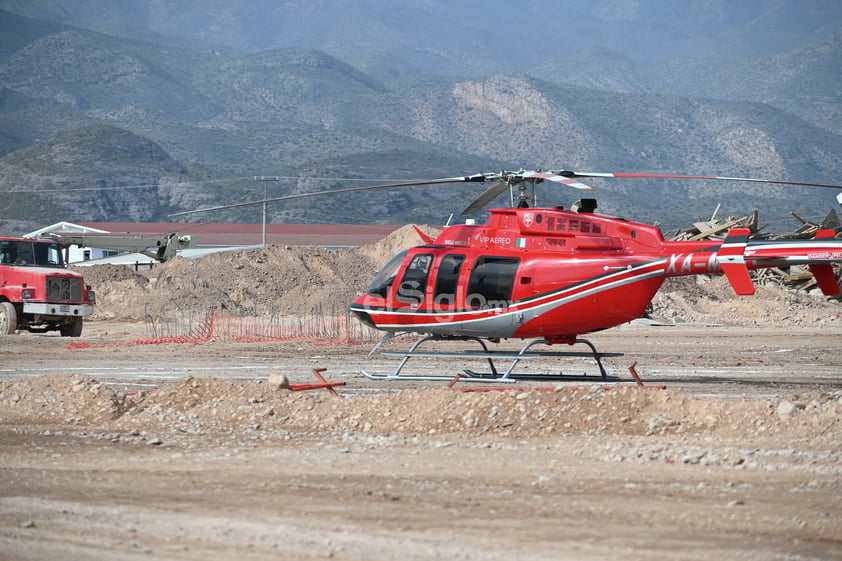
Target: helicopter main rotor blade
{"points": [[486, 197], [566, 180], [506, 179], [704, 177], [478, 178]]}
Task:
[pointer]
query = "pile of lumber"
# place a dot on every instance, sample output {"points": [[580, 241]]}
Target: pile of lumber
{"points": [[717, 228], [795, 278]]}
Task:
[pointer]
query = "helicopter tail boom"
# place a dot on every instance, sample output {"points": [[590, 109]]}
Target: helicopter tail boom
{"points": [[738, 255]]}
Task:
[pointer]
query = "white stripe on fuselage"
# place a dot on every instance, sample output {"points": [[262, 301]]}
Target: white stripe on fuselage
{"points": [[533, 309]]}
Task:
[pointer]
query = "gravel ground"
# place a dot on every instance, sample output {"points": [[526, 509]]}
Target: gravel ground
{"points": [[192, 451]]}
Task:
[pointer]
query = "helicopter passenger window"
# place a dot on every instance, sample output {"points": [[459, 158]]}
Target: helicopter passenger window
{"points": [[491, 282], [414, 284], [448, 279]]}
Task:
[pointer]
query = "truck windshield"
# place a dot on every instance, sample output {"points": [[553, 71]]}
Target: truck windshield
{"points": [[31, 253]]}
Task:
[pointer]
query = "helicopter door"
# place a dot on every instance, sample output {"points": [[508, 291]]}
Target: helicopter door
{"points": [[447, 280], [490, 287], [413, 287]]}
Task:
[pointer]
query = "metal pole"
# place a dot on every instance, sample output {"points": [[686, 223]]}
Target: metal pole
{"points": [[265, 203]]}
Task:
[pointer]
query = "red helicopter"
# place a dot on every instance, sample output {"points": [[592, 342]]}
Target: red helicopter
{"points": [[549, 275]]}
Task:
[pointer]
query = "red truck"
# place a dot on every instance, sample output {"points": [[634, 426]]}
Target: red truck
{"points": [[37, 292]]}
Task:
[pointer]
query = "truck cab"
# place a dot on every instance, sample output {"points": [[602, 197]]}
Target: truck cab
{"points": [[37, 293]]}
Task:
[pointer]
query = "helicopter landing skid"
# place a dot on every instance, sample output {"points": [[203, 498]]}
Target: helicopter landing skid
{"points": [[494, 375]]}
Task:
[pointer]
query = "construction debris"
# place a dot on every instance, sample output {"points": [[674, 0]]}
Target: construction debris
{"points": [[794, 278]]}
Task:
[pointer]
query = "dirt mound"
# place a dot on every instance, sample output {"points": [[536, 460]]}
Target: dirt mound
{"points": [[265, 281], [396, 242], [58, 399], [201, 405], [713, 300]]}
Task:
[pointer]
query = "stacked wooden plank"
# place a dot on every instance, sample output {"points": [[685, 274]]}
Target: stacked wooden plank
{"points": [[795, 278], [716, 228]]}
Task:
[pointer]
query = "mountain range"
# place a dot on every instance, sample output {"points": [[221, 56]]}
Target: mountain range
{"points": [[132, 111]]}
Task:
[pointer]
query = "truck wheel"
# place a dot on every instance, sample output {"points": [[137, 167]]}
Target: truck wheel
{"points": [[71, 329], [8, 318]]}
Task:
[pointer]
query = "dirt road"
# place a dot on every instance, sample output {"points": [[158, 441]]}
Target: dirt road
{"points": [[738, 458]]}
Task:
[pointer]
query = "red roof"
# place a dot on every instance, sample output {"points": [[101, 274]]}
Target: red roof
{"points": [[216, 234]]}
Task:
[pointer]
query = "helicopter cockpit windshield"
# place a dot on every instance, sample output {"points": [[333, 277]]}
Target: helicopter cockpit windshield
{"points": [[386, 277]]}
